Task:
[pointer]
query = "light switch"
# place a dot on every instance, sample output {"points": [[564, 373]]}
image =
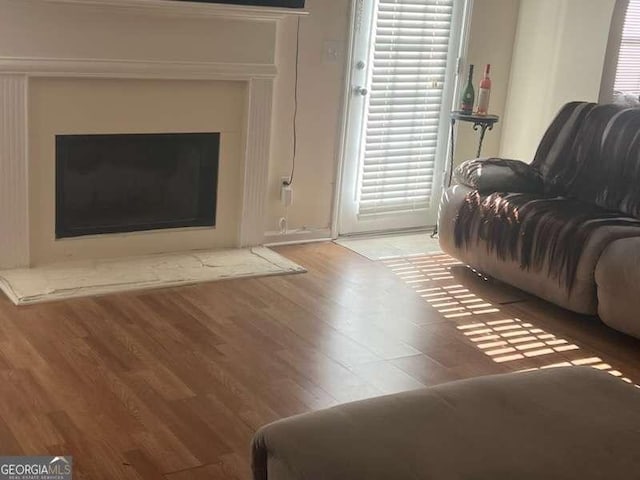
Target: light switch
{"points": [[331, 51]]}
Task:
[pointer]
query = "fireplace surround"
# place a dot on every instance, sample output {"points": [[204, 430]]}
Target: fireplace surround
{"points": [[139, 40]]}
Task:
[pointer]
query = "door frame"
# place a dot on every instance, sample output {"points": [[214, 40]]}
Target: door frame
{"points": [[341, 163]]}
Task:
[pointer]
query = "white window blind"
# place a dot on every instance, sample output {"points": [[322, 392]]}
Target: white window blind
{"points": [[409, 62], [628, 70]]}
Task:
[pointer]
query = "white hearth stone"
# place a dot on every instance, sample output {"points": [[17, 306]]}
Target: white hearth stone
{"points": [[98, 277]]}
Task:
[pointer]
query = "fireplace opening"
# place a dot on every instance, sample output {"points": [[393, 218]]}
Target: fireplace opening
{"points": [[131, 182]]}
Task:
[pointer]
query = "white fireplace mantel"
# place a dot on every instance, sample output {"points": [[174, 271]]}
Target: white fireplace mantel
{"points": [[66, 38], [113, 68]]}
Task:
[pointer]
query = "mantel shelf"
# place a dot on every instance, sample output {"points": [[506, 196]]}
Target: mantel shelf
{"points": [[186, 8]]}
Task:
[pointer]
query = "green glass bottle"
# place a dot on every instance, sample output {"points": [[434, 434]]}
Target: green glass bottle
{"points": [[468, 95]]}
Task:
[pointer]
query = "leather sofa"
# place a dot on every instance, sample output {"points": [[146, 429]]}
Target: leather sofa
{"points": [[565, 227]]}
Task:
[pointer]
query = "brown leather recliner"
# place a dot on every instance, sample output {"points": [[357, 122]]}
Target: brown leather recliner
{"points": [[565, 227]]}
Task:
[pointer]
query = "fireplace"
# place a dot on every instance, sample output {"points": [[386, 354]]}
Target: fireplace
{"points": [[111, 183], [104, 67]]}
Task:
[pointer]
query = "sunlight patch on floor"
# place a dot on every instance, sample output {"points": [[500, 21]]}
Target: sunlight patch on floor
{"points": [[504, 340], [595, 362], [512, 339]]}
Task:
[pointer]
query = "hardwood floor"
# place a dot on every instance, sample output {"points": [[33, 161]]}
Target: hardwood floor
{"points": [[171, 384]]}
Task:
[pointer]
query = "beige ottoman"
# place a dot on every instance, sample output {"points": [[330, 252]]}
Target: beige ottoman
{"points": [[561, 423]]}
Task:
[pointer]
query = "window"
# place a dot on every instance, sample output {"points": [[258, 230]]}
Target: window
{"points": [[410, 53], [627, 80]]}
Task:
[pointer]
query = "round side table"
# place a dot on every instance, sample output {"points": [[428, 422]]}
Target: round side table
{"points": [[480, 122]]}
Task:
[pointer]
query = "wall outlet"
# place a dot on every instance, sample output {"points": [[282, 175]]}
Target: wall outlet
{"points": [[286, 195], [286, 192]]}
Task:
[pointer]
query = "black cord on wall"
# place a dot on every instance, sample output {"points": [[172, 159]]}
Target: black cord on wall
{"points": [[295, 109]]}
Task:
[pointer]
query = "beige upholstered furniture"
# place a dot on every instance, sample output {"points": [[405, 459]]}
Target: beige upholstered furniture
{"points": [[562, 423], [618, 280], [566, 227]]}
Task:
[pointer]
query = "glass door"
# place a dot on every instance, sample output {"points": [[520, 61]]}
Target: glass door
{"points": [[403, 79]]}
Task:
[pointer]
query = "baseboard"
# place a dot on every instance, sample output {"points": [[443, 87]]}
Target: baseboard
{"points": [[382, 233], [274, 238]]}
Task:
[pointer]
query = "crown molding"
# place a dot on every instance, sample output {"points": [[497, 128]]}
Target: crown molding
{"points": [[185, 8], [101, 68]]}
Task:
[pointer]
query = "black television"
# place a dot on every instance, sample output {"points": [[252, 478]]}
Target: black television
{"points": [[260, 3]]}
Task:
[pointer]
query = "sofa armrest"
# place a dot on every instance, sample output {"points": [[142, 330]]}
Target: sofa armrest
{"points": [[488, 175], [617, 277]]}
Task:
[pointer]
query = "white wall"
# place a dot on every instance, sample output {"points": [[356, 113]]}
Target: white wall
{"points": [[320, 96], [491, 34], [558, 57]]}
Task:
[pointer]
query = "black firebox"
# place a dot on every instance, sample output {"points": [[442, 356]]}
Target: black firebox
{"points": [[130, 182]]}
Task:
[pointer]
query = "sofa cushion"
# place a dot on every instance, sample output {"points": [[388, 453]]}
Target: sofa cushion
{"points": [[539, 232], [591, 153], [489, 175], [579, 296], [608, 162], [555, 155], [562, 423]]}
